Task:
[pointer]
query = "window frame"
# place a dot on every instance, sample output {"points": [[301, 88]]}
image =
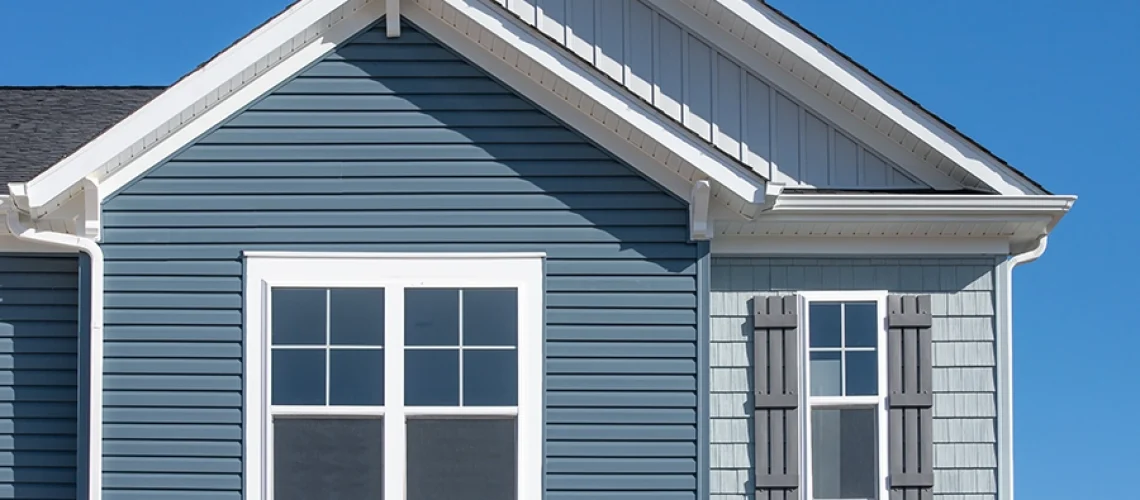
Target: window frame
{"points": [[808, 402], [394, 272]]}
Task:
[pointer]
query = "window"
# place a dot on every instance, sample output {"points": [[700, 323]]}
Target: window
{"points": [[372, 376], [844, 353]]}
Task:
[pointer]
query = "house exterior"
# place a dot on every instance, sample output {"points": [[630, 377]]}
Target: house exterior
{"points": [[512, 249]]}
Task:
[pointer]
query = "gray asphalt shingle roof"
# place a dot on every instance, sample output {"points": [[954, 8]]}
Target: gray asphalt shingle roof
{"points": [[41, 125]]}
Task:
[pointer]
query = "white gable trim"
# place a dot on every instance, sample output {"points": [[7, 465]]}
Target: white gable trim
{"points": [[869, 101], [313, 28]]}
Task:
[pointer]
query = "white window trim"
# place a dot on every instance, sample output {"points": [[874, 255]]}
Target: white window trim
{"points": [[393, 271], [807, 401]]}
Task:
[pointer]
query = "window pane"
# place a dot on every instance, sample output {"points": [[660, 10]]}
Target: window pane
{"points": [[340, 459], [824, 321], [299, 316], [356, 316], [490, 316], [298, 377], [843, 447], [862, 373], [826, 374], [356, 377], [461, 458], [431, 316], [861, 323], [431, 377], [490, 378]]}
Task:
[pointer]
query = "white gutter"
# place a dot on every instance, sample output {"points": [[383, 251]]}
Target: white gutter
{"points": [[927, 203], [1005, 366], [95, 342]]}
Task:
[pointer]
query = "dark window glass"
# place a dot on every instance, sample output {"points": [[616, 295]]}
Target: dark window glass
{"points": [[861, 324], [356, 377], [826, 374], [490, 378], [299, 316], [299, 376], [356, 316], [825, 324], [431, 316], [862, 373], [461, 458], [333, 459], [490, 317], [431, 377], [843, 444]]}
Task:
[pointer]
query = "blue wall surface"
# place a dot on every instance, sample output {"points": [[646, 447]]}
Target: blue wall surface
{"points": [[400, 145], [39, 351]]}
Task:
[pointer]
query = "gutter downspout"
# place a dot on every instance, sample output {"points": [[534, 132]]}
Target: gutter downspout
{"points": [[1005, 369], [90, 247]]}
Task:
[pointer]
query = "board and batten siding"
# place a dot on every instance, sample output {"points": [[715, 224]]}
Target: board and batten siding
{"points": [[39, 353], [962, 295], [399, 145], [717, 98]]}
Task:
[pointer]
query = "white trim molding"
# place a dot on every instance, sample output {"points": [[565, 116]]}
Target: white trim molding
{"points": [[394, 273]]}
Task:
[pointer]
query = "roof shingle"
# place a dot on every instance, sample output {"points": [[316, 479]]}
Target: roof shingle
{"points": [[41, 125]]}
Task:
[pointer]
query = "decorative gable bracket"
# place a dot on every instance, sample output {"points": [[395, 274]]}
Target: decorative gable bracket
{"points": [[700, 224]]}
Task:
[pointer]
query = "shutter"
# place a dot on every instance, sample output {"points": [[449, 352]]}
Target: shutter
{"points": [[776, 373], [910, 401]]}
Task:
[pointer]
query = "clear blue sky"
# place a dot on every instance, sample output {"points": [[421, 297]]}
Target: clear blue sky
{"points": [[1046, 84]]}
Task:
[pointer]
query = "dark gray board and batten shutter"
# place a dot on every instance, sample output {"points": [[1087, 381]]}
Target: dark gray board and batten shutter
{"points": [[910, 401], [777, 398]]}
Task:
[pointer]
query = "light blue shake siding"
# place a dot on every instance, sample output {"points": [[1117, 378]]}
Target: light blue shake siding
{"points": [[38, 375], [398, 145], [962, 302]]}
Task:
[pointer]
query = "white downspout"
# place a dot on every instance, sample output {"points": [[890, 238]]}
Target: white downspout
{"points": [[1005, 369], [95, 363]]}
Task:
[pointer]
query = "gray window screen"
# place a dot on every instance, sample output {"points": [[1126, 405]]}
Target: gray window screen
{"points": [[460, 458], [328, 459]]}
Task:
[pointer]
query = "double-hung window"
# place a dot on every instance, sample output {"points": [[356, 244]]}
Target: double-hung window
{"points": [[844, 373], [397, 376]]}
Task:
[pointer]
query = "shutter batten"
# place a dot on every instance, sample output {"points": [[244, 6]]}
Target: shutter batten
{"points": [[776, 396], [910, 401]]}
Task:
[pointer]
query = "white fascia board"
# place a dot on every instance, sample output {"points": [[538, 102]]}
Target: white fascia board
{"points": [[227, 72], [883, 99], [484, 19], [923, 203]]}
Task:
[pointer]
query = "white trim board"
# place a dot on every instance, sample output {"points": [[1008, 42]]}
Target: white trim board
{"points": [[802, 56], [725, 246], [528, 63]]}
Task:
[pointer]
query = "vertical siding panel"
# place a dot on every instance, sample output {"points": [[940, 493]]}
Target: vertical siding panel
{"points": [[669, 59], [699, 87], [611, 39], [525, 10], [817, 162], [729, 100], [552, 19], [787, 142], [964, 384], [39, 351], [845, 166], [639, 41], [874, 172], [758, 125], [580, 30], [621, 270]]}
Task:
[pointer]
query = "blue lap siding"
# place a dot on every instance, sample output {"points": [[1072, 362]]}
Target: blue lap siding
{"points": [[399, 145], [39, 376]]}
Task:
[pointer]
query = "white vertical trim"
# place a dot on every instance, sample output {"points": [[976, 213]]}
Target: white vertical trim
{"points": [[395, 423], [256, 302], [879, 401]]}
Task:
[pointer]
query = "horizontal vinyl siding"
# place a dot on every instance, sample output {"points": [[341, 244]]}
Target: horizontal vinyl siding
{"points": [[39, 374], [965, 449], [721, 101], [398, 145]]}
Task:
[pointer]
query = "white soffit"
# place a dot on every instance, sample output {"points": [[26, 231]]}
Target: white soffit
{"points": [[312, 28], [879, 107]]}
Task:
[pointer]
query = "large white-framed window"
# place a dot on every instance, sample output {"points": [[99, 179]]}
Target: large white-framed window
{"points": [[843, 361], [393, 376]]}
